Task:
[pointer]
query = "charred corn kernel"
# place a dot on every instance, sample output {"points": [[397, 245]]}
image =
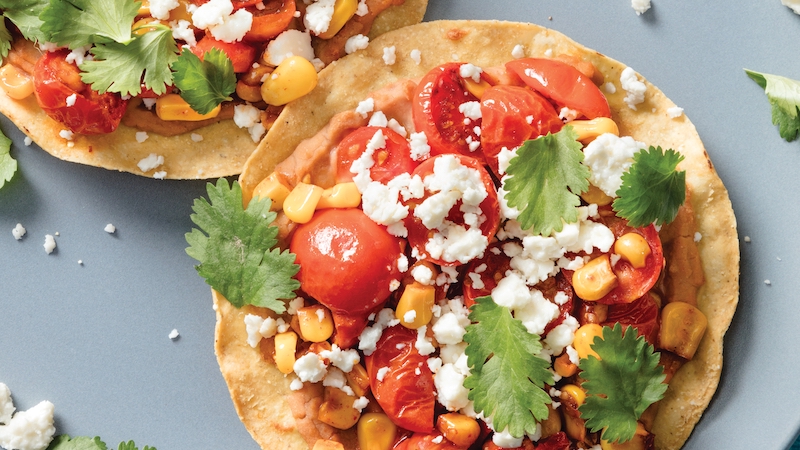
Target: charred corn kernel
{"points": [[16, 83], [552, 424], [633, 247], [343, 10], [144, 8], [273, 189], [564, 367], [376, 432], [459, 429], [588, 130], [325, 444], [575, 392], [476, 89], [337, 409], [173, 107], [181, 12], [584, 338], [682, 328], [142, 26], [639, 441], [358, 380], [414, 309], [300, 204], [342, 195], [248, 92], [285, 348], [597, 196], [293, 78], [316, 323], [595, 279]]}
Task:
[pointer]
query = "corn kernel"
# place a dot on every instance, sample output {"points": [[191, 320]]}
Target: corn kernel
{"points": [[595, 279], [337, 409], [459, 429], [16, 84], [342, 195], [144, 8], [358, 380], [301, 203], [343, 10], [682, 328], [376, 432], [142, 26], [575, 392], [597, 196], [293, 78], [325, 444], [588, 130], [248, 92], [584, 338], [285, 348], [173, 107], [633, 247], [316, 323], [639, 441], [476, 89], [414, 309], [564, 367], [272, 188]]}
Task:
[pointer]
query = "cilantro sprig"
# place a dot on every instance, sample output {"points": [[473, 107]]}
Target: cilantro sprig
{"points": [[546, 178], [78, 23], [652, 189], [205, 83], [784, 97], [64, 442], [237, 249], [507, 377], [621, 384], [25, 15], [8, 165]]}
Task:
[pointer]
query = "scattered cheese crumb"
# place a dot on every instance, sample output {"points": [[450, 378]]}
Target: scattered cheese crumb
{"points": [[635, 89], [416, 56], [28, 141], [389, 56], [160, 175], [640, 6], [747, 238], [356, 43], [18, 231], [26, 430], [767, 282], [110, 228], [150, 162], [675, 112], [141, 136], [49, 243], [71, 99], [80, 262], [697, 236], [196, 137], [174, 334], [518, 51], [66, 134]]}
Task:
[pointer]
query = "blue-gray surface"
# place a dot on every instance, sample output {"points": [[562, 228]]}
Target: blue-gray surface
{"points": [[93, 338]]}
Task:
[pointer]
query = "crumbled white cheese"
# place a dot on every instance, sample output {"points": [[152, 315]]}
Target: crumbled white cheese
{"points": [[66, 134], [289, 43], [160, 9], [150, 162], [342, 359], [470, 71], [634, 88], [450, 390], [361, 403], [310, 367], [160, 175], [49, 243], [356, 43], [318, 16], [382, 373], [141, 136], [423, 343], [610, 88], [258, 327], [365, 107], [389, 57], [6, 404], [174, 334], [27, 141], [640, 6], [518, 52], [296, 385], [27, 430], [504, 439], [70, 100], [362, 9], [218, 17], [675, 112], [608, 157], [416, 56], [420, 150], [196, 137], [110, 228], [182, 30], [18, 231]]}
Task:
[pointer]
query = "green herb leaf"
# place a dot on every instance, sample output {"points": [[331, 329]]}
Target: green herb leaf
{"points": [[207, 83], [652, 190], [237, 250], [121, 68], [784, 96], [5, 39], [25, 15], [131, 446], [545, 180], [8, 165], [78, 23], [64, 442], [507, 377], [621, 384]]}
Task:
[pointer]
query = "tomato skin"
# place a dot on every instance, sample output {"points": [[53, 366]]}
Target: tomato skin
{"points": [[558, 441], [270, 21], [435, 111], [497, 263], [423, 441], [242, 55], [93, 113], [344, 244], [348, 328], [504, 124], [563, 84], [390, 161], [407, 398], [641, 314]]}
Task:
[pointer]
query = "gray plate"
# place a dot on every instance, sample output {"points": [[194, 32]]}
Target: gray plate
{"points": [[93, 338]]}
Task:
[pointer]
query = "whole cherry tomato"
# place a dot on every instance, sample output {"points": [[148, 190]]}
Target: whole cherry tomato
{"points": [[242, 55], [390, 161], [406, 391], [270, 21], [511, 115], [435, 110], [56, 81], [563, 84], [347, 261], [641, 314], [419, 234]]}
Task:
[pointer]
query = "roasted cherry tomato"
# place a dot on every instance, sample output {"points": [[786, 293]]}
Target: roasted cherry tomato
{"points": [[563, 84], [419, 234], [348, 328], [425, 441], [347, 261], [242, 55], [526, 445], [406, 397], [390, 161], [511, 115], [56, 80], [435, 110], [558, 441], [483, 274], [270, 21], [641, 314], [550, 288]]}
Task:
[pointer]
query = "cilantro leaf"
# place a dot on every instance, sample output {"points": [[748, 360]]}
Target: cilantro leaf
{"points": [[131, 446], [784, 96], [545, 180], [207, 83], [122, 68], [25, 15], [8, 165], [78, 23], [237, 249], [621, 384], [64, 442], [507, 377], [5, 39], [652, 190]]}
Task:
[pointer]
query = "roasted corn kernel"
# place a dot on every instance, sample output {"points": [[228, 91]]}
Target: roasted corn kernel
{"points": [[342, 195], [584, 338], [588, 130], [633, 247], [285, 348], [301, 202], [376, 432], [316, 323], [414, 309], [272, 188], [173, 107], [595, 279], [16, 84], [682, 328], [459, 429], [293, 78]]}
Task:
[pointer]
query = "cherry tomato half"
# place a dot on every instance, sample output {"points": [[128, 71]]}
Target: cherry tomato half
{"points": [[390, 161], [419, 234], [92, 113], [511, 115], [270, 21], [347, 261], [563, 84], [242, 55], [406, 397], [435, 111], [641, 314]]}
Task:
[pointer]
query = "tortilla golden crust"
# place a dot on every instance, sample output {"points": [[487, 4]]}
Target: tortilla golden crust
{"points": [[223, 151], [489, 43]]}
